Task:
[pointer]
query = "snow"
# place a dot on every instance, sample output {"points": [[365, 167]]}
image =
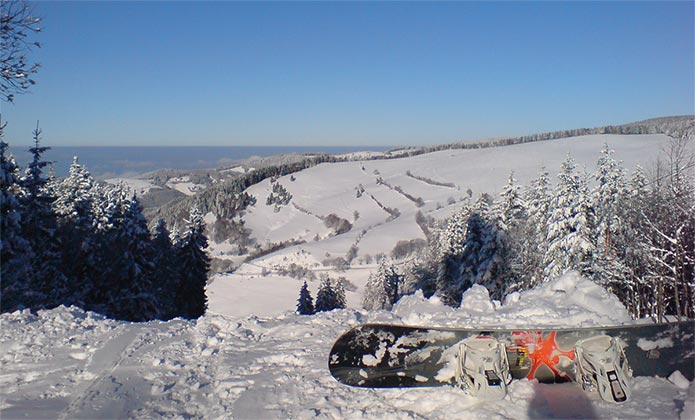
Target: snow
{"points": [[67, 363], [661, 343], [477, 299], [251, 357], [237, 169], [332, 188], [679, 380], [184, 185], [137, 186], [569, 301]]}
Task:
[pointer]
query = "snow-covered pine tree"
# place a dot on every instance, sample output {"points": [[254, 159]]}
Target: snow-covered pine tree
{"points": [[191, 301], [381, 291], [305, 303], [15, 251], [533, 244], [608, 198], [570, 244], [126, 248], [75, 198], [73, 205], [331, 295], [175, 236], [479, 250], [510, 207], [120, 258], [493, 270], [502, 244], [166, 272], [339, 288], [139, 303], [47, 286], [96, 271], [420, 274], [450, 258]]}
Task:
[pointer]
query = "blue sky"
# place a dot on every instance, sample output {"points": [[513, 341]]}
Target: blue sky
{"points": [[295, 74]]}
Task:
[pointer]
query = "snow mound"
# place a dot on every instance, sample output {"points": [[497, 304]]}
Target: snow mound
{"points": [[477, 299], [568, 301], [410, 307], [679, 380]]}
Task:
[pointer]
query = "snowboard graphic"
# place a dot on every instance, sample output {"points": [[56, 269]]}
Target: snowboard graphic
{"points": [[385, 355]]}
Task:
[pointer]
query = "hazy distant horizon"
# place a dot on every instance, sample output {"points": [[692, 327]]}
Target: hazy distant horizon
{"points": [[122, 161]]}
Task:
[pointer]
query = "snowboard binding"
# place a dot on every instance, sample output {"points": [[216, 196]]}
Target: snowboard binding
{"points": [[482, 367], [601, 365]]}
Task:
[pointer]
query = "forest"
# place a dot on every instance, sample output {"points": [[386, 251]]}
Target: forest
{"points": [[633, 234], [74, 241]]}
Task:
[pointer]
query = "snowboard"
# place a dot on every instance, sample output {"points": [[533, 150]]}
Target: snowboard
{"points": [[386, 355]]}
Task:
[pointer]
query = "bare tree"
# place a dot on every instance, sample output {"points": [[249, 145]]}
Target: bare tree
{"points": [[671, 230], [17, 25]]}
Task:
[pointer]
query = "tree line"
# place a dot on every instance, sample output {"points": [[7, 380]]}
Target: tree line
{"points": [[634, 235], [330, 296], [74, 241]]}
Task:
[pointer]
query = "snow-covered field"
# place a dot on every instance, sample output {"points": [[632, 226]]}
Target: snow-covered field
{"points": [[68, 364], [136, 186], [444, 181], [184, 185]]}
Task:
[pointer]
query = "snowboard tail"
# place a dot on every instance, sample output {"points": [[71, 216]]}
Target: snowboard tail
{"points": [[384, 355]]}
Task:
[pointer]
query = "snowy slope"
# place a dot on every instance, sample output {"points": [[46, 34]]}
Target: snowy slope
{"points": [[443, 180], [136, 186], [65, 363]]}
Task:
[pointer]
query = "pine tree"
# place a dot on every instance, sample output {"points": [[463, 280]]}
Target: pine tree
{"points": [[340, 298], [191, 301], [382, 289], [166, 271], [608, 198], [420, 274], [510, 208], [75, 195], [132, 263], [73, 206], [331, 295], [476, 236], [121, 265], [534, 243], [175, 236], [305, 303], [15, 251], [47, 286], [450, 258], [570, 244], [504, 230]]}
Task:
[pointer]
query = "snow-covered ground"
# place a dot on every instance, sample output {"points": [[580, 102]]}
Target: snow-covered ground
{"points": [[136, 186], [444, 181], [184, 185], [68, 364]]}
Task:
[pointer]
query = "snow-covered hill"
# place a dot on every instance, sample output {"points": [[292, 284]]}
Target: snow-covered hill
{"points": [[68, 364], [380, 199]]}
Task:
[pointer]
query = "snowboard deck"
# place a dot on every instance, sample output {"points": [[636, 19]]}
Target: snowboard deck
{"points": [[387, 355]]}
